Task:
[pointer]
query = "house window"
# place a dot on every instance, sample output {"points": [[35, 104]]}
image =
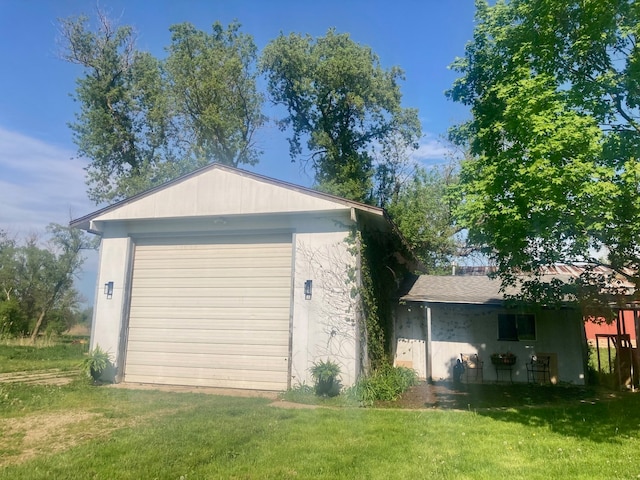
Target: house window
{"points": [[516, 327]]}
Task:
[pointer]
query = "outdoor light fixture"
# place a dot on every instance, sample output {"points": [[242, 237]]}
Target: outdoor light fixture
{"points": [[108, 289], [308, 286]]}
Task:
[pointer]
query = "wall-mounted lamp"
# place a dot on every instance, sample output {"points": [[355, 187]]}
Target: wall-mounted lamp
{"points": [[308, 287], [108, 289]]}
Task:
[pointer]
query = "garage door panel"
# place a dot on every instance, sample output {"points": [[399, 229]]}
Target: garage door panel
{"points": [[211, 263], [231, 313], [154, 371], [208, 281], [210, 348], [250, 272], [266, 292], [209, 302], [219, 302], [230, 337], [201, 360], [222, 382], [261, 324], [219, 252], [204, 242]]}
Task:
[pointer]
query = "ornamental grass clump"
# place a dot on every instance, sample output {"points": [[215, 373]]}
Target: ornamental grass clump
{"points": [[325, 375], [97, 362], [385, 384]]}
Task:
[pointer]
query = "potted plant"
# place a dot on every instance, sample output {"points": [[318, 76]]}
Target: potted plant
{"points": [[503, 358], [325, 374], [96, 363]]}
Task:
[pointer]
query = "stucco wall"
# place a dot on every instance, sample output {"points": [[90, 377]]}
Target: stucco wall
{"points": [[322, 327], [457, 329], [411, 339]]}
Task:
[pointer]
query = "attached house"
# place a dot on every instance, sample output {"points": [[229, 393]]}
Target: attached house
{"points": [[225, 278], [441, 317]]}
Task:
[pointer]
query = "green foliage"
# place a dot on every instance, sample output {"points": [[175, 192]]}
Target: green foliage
{"points": [[97, 362], [122, 126], [339, 97], [13, 322], [422, 210], [555, 133], [144, 121], [212, 80], [36, 281], [325, 375], [384, 384], [60, 354], [379, 272]]}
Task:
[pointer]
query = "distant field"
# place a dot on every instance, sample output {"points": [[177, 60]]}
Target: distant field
{"points": [[64, 353]]}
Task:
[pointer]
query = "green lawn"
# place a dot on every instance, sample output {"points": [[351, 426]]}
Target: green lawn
{"points": [[79, 431], [20, 356]]}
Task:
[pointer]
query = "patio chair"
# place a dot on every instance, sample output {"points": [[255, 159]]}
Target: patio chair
{"points": [[473, 367], [538, 369]]}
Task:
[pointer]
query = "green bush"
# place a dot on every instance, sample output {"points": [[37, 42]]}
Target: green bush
{"points": [[13, 323], [96, 363], [325, 375], [385, 384]]}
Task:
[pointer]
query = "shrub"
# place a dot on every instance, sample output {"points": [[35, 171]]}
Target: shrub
{"points": [[385, 384], [13, 322], [325, 375], [96, 363]]}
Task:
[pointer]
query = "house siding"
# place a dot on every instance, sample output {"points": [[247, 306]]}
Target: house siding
{"points": [[457, 329]]}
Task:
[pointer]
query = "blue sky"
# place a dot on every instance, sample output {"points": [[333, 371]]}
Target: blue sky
{"points": [[42, 180]]}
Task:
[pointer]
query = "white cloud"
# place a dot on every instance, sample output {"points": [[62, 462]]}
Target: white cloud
{"points": [[39, 184], [430, 149]]}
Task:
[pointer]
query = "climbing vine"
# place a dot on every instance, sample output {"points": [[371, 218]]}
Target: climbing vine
{"points": [[379, 275]]}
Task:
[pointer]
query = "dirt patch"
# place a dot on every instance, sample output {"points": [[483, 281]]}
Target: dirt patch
{"points": [[230, 392], [26, 437]]}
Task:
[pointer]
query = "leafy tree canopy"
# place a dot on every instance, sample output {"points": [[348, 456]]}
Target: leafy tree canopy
{"points": [[554, 93], [343, 102], [212, 81], [143, 121], [36, 282], [422, 210]]}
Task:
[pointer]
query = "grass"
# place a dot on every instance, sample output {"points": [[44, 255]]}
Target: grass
{"points": [[78, 431], [19, 355], [126, 434]]}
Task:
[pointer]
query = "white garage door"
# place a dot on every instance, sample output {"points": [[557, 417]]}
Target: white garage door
{"points": [[211, 311]]}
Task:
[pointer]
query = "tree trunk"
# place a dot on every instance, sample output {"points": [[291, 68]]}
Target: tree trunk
{"points": [[36, 329]]}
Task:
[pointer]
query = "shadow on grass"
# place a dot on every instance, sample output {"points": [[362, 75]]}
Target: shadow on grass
{"points": [[598, 414]]}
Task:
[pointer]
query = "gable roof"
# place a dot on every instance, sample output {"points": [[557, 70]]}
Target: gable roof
{"points": [[216, 190]]}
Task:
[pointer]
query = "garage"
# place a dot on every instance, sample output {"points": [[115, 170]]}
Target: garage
{"points": [[226, 278], [210, 311]]}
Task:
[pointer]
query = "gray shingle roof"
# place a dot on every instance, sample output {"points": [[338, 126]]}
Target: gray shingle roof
{"points": [[474, 289]]}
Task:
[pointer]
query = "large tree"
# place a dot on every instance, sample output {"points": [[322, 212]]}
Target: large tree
{"points": [[143, 121], [341, 104], [123, 124], [36, 280], [422, 210], [554, 93], [212, 79]]}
